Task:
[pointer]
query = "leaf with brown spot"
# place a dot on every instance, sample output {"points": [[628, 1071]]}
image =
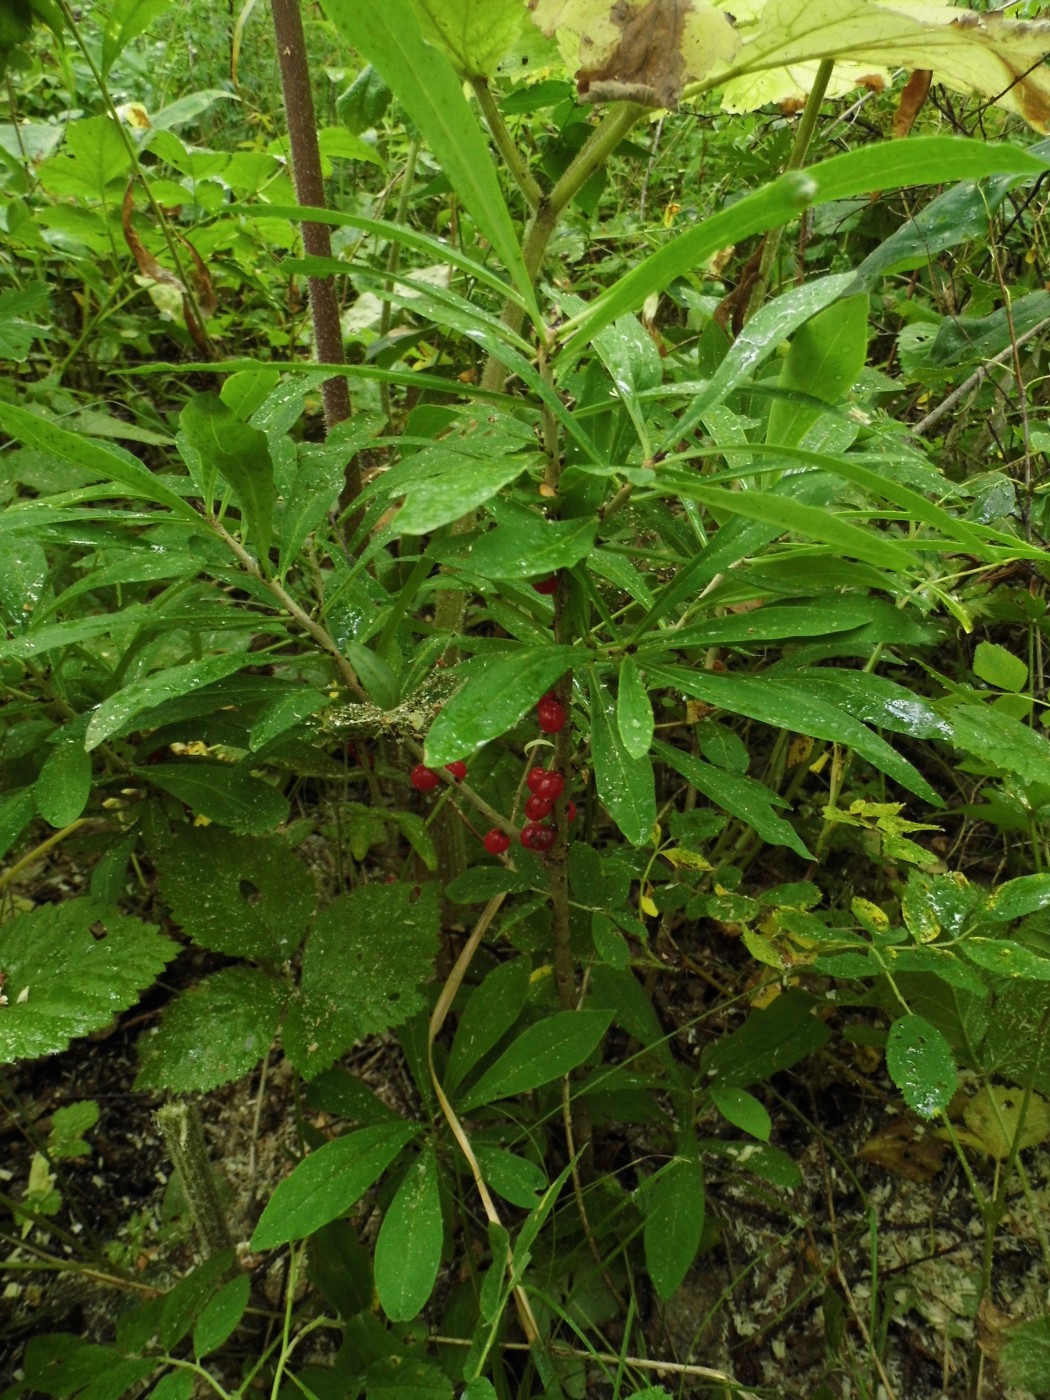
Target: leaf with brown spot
{"points": [[904, 1148], [913, 96]]}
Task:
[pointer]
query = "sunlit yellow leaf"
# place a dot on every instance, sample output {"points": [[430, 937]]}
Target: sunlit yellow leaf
{"points": [[994, 1114], [475, 34]]}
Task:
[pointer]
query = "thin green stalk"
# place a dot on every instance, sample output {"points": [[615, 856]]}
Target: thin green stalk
{"points": [[512, 158], [799, 150], [393, 260]]}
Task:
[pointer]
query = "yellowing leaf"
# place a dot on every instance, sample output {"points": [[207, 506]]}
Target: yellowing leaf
{"points": [[641, 51], [784, 40], [994, 1114], [475, 34]]}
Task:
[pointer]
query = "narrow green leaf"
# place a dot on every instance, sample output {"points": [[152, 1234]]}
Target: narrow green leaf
{"points": [[933, 160], [241, 454], [107, 463], [491, 1011], [498, 692], [408, 1250], [634, 711], [625, 785], [547, 1050], [117, 715], [328, 1182], [387, 33], [466, 484], [674, 1223], [525, 545], [921, 1064]]}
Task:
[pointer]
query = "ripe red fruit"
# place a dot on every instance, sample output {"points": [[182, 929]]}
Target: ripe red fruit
{"points": [[551, 715], [458, 769], [546, 585], [496, 842], [535, 836], [538, 807], [423, 779], [545, 782]]}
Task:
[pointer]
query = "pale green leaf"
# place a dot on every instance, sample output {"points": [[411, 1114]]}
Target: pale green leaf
{"points": [[634, 711], [999, 667], [474, 33]]}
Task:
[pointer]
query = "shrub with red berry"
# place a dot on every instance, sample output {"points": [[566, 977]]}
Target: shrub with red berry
{"points": [[423, 779], [496, 842], [551, 714], [538, 836]]}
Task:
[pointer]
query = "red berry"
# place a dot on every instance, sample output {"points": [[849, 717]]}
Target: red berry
{"points": [[458, 769], [546, 585], [551, 715], [496, 842], [545, 782], [537, 837], [538, 807], [423, 779], [570, 811]]}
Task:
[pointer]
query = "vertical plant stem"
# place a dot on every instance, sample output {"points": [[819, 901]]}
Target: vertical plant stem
{"points": [[309, 190], [800, 149], [180, 1127]]}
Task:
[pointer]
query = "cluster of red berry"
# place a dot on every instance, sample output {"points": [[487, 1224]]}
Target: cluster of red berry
{"points": [[425, 779]]}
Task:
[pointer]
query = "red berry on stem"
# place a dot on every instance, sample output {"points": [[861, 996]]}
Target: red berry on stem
{"points": [[423, 779], [538, 807], [458, 769], [551, 715], [546, 585], [496, 842], [537, 837]]}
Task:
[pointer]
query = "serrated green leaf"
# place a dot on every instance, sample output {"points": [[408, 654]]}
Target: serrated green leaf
{"points": [[625, 785], [328, 1182], [248, 896], [214, 1033], [221, 1316], [365, 962], [674, 1223], [497, 693], [408, 1250], [70, 969], [921, 1064], [544, 1051]]}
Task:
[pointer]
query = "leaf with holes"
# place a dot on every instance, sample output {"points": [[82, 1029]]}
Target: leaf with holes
{"points": [[921, 1065], [249, 896]]}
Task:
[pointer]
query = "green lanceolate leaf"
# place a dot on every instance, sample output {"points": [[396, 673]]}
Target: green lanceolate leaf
{"points": [[634, 711], [464, 485], [221, 1316], [674, 1223], [328, 1182], [408, 1250], [625, 785], [933, 160], [241, 455], [547, 1050], [105, 463], [118, 714], [224, 793], [921, 1065], [497, 693], [491, 1011], [70, 968], [387, 33], [525, 545], [743, 1110]]}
